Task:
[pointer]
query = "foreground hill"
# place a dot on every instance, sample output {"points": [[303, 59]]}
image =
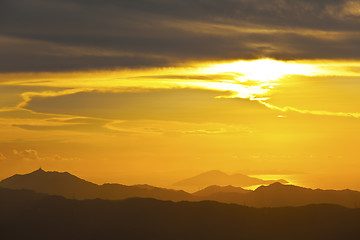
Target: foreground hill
{"points": [[216, 177], [69, 186], [28, 215]]}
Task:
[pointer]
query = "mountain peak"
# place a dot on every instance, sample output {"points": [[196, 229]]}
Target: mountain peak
{"points": [[50, 182], [40, 170], [213, 173], [276, 184]]}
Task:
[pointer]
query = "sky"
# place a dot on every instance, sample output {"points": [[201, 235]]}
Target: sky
{"points": [[154, 91]]}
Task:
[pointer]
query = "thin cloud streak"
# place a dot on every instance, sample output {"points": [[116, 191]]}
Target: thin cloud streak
{"points": [[313, 112]]}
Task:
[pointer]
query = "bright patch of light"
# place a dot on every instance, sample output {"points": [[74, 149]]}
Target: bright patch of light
{"points": [[239, 90], [263, 70]]}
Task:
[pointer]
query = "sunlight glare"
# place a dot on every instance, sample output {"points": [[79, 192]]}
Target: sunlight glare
{"points": [[262, 70]]}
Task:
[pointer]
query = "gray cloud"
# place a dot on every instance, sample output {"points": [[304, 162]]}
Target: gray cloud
{"points": [[69, 35], [22, 114], [206, 77]]}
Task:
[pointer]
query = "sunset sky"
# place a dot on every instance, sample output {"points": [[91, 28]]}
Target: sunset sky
{"points": [[154, 91]]}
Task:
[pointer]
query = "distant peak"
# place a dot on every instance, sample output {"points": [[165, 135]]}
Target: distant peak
{"points": [[40, 170], [214, 172], [282, 181], [277, 184]]}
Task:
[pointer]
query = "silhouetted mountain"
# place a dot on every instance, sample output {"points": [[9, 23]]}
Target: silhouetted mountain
{"points": [[280, 195], [54, 183], [211, 190], [274, 195], [277, 194], [69, 186], [216, 177], [37, 216]]}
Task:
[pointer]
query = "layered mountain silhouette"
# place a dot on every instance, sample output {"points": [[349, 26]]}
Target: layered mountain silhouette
{"points": [[278, 195], [69, 186], [281, 195], [273, 195], [214, 189], [216, 177], [29, 215]]}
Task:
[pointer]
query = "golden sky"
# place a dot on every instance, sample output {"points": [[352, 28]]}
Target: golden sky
{"points": [[156, 91]]}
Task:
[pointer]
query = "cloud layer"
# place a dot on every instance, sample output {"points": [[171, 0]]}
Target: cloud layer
{"points": [[189, 105], [70, 35]]}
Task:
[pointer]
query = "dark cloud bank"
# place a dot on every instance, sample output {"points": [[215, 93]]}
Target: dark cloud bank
{"points": [[67, 35]]}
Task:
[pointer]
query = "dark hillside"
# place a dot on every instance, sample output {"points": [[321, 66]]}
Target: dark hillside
{"points": [[42, 217]]}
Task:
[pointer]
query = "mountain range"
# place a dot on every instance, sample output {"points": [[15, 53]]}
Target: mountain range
{"points": [[69, 186], [29, 215], [274, 195]]}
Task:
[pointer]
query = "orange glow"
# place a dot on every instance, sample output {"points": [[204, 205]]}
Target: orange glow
{"points": [[205, 115]]}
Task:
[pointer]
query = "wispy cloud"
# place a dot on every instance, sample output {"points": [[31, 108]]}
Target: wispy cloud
{"points": [[152, 127], [32, 155], [2, 157], [313, 112]]}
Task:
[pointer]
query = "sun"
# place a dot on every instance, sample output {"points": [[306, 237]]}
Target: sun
{"points": [[262, 70]]}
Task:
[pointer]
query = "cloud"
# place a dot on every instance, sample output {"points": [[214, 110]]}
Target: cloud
{"points": [[187, 105], [175, 128], [11, 95], [271, 172], [15, 113], [205, 77], [27, 155], [76, 125], [2, 157], [183, 105], [71, 35], [313, 112], [32, 155]]}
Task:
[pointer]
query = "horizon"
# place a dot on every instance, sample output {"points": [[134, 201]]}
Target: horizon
{"points": [[154, 92], [191, 189]]}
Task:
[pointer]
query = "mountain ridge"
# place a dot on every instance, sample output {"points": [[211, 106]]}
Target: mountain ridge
{"points": [[70, 186], [273, 195]]}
